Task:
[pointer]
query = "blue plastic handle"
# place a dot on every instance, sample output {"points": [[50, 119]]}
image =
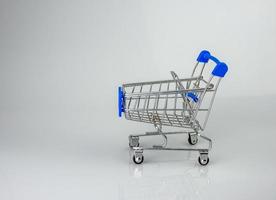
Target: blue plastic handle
{"points": [[120, 101], [220, 69]]}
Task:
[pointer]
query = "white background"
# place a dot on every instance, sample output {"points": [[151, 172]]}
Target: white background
{"points": [[61, 63]]}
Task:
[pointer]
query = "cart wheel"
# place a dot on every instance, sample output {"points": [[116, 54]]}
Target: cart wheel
{"points": [[203, 159], [138, 159], [192, 139]]}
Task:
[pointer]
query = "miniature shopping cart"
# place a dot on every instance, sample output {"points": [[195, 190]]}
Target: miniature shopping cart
{"points": [[183, 103]]}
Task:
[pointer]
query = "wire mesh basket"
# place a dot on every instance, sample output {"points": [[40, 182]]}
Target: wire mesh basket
{"points": [[184, 103]]}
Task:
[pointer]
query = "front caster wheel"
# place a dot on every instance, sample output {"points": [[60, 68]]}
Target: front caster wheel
{"points": [[138, 159], [192, 139], [203, 159]]}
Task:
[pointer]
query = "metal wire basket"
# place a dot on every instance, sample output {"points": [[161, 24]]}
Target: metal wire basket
{"points": [[184, 103]]}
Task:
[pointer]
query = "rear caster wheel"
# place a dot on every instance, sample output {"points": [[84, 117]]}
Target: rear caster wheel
{"points": [[192, 139], [138, 159], [203, 159]]}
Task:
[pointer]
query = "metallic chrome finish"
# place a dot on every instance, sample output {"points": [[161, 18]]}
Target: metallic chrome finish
{"points": [[203, 159], [158, 82], [138, 157], [166, 103], [192, 139], [133, 141]]}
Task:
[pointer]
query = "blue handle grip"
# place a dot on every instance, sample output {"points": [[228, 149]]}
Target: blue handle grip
{"points": [[220, 69]]}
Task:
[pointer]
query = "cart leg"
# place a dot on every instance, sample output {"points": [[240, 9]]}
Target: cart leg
{"points": [[133, 141]]}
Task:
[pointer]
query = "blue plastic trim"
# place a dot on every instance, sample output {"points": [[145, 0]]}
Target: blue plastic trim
{"points": [[203, 56], [120, 101], [214, 59], [192, 96], [220, 70]]}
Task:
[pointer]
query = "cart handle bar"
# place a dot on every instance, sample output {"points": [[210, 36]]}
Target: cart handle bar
{"points": [[220, 69]]}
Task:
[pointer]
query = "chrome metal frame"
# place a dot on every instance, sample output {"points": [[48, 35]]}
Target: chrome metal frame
{"points": [[165, 103]]}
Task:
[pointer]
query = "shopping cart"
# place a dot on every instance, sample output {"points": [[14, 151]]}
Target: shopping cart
{"points": [[184, 103]]}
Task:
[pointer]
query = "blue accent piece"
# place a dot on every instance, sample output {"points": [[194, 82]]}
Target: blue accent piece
{"points": [[192, 96], [203, 56], [120, 101], [214, 59], [220, 70]]}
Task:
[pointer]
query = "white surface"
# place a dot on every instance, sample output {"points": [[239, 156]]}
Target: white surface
{"points": [[61, 63], [63, 163]]}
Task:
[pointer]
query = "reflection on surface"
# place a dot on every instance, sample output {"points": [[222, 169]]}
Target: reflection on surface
{"points": [[165, 180]]}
